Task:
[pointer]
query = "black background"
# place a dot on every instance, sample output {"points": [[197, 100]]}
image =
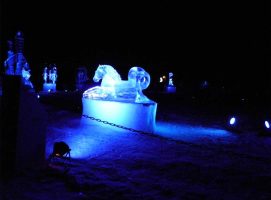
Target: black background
{"points": [[226, 43]]}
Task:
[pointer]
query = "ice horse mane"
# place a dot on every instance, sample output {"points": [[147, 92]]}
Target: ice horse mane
{"points": [[108, 75]]}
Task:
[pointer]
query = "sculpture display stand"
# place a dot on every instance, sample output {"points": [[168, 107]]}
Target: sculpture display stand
{"points": [[120, 102], [138, 116], [170, 89], [49, 87]]}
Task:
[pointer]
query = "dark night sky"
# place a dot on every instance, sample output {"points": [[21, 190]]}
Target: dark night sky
{"points": [[216, 40]]}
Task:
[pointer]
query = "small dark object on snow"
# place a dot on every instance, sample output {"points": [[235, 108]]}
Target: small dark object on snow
{"points": [[61, 150]]}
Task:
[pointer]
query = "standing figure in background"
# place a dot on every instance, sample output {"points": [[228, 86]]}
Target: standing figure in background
{"points": [[10, 61], [170, 88], [16, 61], [49, 77], [45, 74], [26, 78], [53, 74], [170, 79], [19, 46]]}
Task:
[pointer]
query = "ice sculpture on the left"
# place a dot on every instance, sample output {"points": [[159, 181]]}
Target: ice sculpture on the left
{"points": [[16, 64]]}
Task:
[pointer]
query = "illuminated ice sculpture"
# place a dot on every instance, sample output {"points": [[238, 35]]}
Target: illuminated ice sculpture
{"points": [[113, 88], [170, 79], [49, 77], [16, 63], [170, 88], [53, 74], [121, 101]]}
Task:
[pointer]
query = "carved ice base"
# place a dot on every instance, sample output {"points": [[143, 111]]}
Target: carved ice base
{"points": [[170, 89], [49, 87], [138, 116]]}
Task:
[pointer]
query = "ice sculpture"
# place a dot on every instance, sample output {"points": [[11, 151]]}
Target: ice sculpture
{"points": [[53, 74], [118, 101], [45, 74], [170, 88], [114, 88], [26, 78], [170, 79], [16, 64], [49, 77], [16, 60]]}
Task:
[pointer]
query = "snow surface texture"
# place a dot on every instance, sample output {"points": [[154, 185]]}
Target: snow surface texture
{"points": [[181, 160]]}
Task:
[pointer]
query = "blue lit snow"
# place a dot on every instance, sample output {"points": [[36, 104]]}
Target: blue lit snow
{"points": [[191, 132], [91, 140]]}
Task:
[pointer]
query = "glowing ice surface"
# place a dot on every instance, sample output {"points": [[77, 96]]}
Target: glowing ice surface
{"points": [[114, 88]]}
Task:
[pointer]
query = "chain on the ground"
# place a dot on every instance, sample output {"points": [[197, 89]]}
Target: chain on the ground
{"points": [[142, 132], [205, 147], [138, 131], [115, 125]]}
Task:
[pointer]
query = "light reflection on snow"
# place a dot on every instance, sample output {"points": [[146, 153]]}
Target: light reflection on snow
{"points": [[91, 140], [84, 140], [191, 132]]}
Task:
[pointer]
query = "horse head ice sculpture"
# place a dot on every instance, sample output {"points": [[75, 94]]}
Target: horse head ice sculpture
{"points": [[113, 88]]}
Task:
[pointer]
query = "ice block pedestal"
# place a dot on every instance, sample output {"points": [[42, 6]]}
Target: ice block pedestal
{"points": [[138, 116], [49, 87], [170, 89]]}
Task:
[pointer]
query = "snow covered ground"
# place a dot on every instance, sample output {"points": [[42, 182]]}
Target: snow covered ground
{"points": [[189, 157]]}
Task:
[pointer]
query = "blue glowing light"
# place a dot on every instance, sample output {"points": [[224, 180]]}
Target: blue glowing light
{"points": [[38, 96], [267, 125], [232, 121], [171, 89]]}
